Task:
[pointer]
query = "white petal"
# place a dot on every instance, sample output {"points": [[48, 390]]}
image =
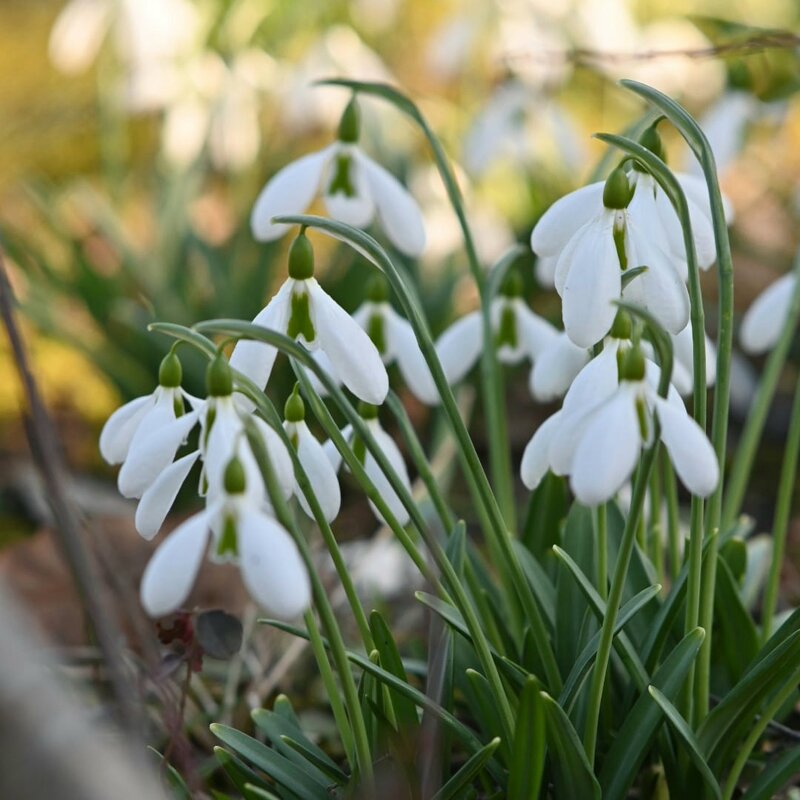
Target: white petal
{"points": [[659, 289], [460, 345], [256, 359], [596, 382], [403, 345], [289, 191], [322, 359], [152, 453], [592, 286], [702, 230], [78, 33], [536, 458], [545, 271], [536, 333], [689, 449], [331, 451], [763, 321], [117, 433], [358, 209], [171, 572], [320, 471], [608, 451], [220, 443], [563, 219], [696, 190], [724, 125], [556, 367], [683, 367], [279, 457], [376, 475], [355, 358], [160, 495], [272, 569], [399, 214]]}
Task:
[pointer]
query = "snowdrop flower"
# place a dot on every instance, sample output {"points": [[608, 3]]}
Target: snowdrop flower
{"points": [[354, 189], [312, 456], [144, 434], [616, 429], [764, 320], [239, 531], [303, 311], [371, 467], [683, 364], [519, 333], [597, 232], [555, 367], [223, 435]]}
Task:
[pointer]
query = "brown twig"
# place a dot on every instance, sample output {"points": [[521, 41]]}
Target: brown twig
{"points": [[49, 461]]}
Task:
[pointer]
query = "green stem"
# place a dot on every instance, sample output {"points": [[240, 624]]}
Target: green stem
{"points": [[673, 515], [755, 734], [757, 416], [612, 606], [655, 536], [602, 550], [783, 508], [693, 597]]}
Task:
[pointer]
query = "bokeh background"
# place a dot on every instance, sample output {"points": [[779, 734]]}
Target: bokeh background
{"points": [[135, 135]]}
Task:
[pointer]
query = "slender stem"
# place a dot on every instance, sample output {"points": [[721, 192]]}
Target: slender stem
{"points": [[755, 734], [780, 526], [602, 550], [757, 416], [612, 606], [673, 515], [693, 595], [655, 534]]}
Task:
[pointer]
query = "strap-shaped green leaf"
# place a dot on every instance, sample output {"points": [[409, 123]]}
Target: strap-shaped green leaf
{"points": [[774, 776], [529, 746], [454, 788]]}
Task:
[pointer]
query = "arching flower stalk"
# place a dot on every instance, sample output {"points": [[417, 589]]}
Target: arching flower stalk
{"points": [[354, 189], [302, 310]]}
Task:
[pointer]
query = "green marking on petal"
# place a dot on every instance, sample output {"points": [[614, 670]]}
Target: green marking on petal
{"points": [[376, 331], [619, 244], [341, 182], [507, 330], [300, 323], [641, 413], [228, 544]]}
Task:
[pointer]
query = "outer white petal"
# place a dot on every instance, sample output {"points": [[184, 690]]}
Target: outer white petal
{"points": [[357, 210], [332, 453], [683, 367], [556, 367], [592, 286], [272, 569], [596, 382], [78, 33], [724, 124], [117, 433], [375, 473], [402, 343], [151, 454], [256, 359], [355, 358], [536, 333], [563, 219], [536, 458], [697, 191], [689, 449], [398, 211], [320, 471], [279, 456], [220, 443], [660, 289], [322, 359], [545, 271], [289, 191], [460, 345], [171, 572], [702, 230], [763, 321], [160, 495], [608, 450]]}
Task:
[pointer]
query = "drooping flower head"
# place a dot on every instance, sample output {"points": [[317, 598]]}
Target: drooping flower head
{"points": [[303, 311], [354, 189], [764, 320]]}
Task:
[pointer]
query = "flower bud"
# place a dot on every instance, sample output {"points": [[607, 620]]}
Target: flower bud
{"points": [[295, 409], [622, 327], [234, 479], [630, 364], [170, 373], [378, 290], [301, 258], [349, 123], [367, 411], [617, 192], [219, 378], [651, 139]]}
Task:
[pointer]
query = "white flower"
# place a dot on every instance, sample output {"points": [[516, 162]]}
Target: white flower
{"points": [[354, 189], [519, 333], [611, 434], [683, 364], [144, 434], [303, 311], [555, 367], [314, 460], [371, 467], [764, 320], [240, 531], [596, 233]]}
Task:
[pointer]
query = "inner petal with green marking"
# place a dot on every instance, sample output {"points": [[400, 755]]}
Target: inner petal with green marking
{"points": [[300, 323], [507, 329], [376, 330], [228, 544], [342, 180]]}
